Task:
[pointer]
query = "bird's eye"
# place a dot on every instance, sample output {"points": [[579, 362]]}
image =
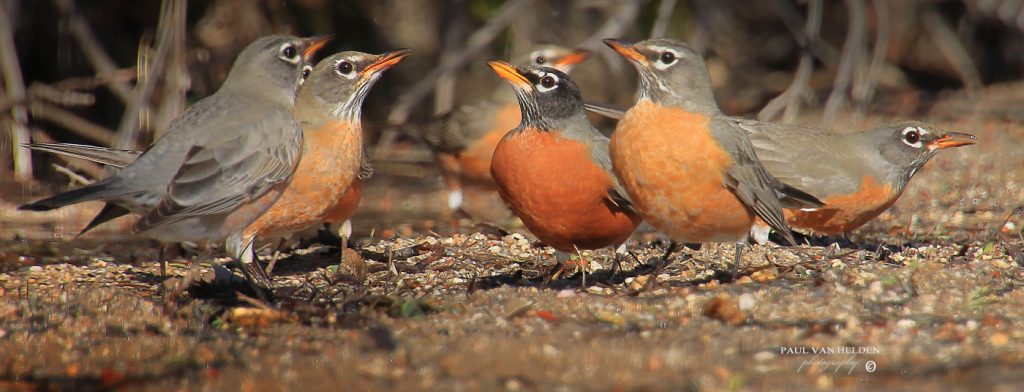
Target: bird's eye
{"points": [[289, 53], [344, 67], [540, 60], [306, 71], [668, 57], [912, 136], [548, 82]]}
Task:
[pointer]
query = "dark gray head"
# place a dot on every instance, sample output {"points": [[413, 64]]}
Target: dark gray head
{"points": [[547, 97], [339, 83], [272, 66], [558, 57], [671, 73], [907, 146]]}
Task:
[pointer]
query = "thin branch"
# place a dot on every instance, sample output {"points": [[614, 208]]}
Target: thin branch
{"points": [[15, 86], [615, 26], [665, 8], [864, 91], [176, 78], [75, 177], [71, 122], [790, 99], [951, 47], [476, 42], [444, 92], [92, 49], [796, 26], [852, 49], [127, 130]]}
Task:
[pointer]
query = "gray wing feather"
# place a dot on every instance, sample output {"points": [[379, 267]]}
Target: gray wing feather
{"points": [[229, 168]]}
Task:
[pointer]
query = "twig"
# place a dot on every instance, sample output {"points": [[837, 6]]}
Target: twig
{"points": [[864, 90], [476, 42], [790, 99], [39, 90], [127, 130], [615, 26], [71, 122], [72, 175], [852, 49], [15, 86], [795, 24], [92, 48], [444, 92], [951, 47], [665, 8], [176, 78]]}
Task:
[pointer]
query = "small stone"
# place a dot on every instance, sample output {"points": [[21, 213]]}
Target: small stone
{"points": [[764, 356], [747, 301], [906, 324], [35, 268], [724, 309], [999, 339], [566, 293]]}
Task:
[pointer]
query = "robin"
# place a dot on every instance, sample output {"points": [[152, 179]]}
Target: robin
{"points": [[857, 174], [690, 170], [464, 140], [220, 164], [553, 169]]}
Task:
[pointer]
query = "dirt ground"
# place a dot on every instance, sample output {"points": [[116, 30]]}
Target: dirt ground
{"points": [[930, 295]]}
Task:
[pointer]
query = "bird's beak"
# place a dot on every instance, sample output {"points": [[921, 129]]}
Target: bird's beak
{"points": [[627, 50], [510, 73], [315, 44], [567, 62], [385, 61], [952, 139]]}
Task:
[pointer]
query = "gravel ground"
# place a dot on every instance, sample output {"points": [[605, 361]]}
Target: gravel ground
{"points": [[930, 295]]}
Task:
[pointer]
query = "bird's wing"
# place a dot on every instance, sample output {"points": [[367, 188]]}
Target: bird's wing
{"points": [[229, 166]]}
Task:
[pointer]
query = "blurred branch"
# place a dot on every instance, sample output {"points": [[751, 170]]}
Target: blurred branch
{"points": [[796, 26], [864, 90], [614, 27], [476, 42], [790, 99], [15, 86], [853, 48], [176, 78], [951, 47], [71, 122], [127, 130], [444, 93], [92, 49], [665, 8]]}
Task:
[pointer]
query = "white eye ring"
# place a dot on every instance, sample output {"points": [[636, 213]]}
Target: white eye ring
{"points": [[912, 136], [659, 62], [540, 57], [288, 53], [306, 71], [351, 73], [547, 82]]}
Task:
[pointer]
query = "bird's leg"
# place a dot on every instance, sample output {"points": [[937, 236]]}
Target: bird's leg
{"points": [[736, 259], [617, 260], [245, 254], [556, 270], [276, 256], [344, 232], [672, 245]]}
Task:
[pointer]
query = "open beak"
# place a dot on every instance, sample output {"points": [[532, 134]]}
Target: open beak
{"points": [[567, 62], [510, 73], [315, 44], [952, 139], [385, 61], [626, 49]]}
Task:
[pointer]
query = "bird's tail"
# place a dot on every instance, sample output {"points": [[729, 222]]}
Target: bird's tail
{"points": [[103, 155], [96, 191]]}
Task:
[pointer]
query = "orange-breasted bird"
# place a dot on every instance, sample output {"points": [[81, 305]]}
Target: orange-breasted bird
{"points": [[553, 169], [463, 140], [690, 170]]}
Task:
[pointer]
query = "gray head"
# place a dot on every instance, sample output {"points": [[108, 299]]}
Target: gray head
{"points": [[272, 66], [558, 57], [907, 146], [671, 73], [547, 97], [339, 83]]}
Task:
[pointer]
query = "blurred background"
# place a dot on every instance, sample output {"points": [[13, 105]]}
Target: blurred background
{"points": [[111, 73]]}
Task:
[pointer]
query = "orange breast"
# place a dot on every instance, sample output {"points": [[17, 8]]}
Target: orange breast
{"points": [[473, 164], [348, 203], [551, 184], [844, 213], [673, 169], [329, 163]]}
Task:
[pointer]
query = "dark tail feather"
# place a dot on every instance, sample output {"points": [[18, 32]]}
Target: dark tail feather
{"points": [[110, 211], [795, 198], [94, 191], [103, 155]]}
